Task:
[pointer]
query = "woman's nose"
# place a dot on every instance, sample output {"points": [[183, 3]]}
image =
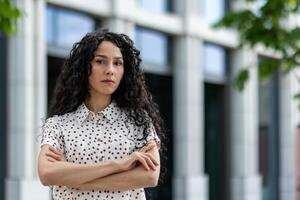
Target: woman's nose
{"points": [[109, 69]]}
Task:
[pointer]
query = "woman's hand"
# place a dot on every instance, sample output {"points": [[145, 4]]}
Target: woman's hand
{"points": [[140, 157], [150, 145], [54, 155]]}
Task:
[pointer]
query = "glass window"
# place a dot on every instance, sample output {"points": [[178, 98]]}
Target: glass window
{"points": [[268, 98], [65, 27], [155, 5], [153, 46], [50, 19], [214, 61], [212, 10]]}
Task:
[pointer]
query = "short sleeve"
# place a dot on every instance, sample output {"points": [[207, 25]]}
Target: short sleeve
{"points": [[151, 135], [51, 134]]}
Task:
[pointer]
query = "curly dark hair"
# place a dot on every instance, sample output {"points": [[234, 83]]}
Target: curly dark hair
{"points": [[132, 94]]}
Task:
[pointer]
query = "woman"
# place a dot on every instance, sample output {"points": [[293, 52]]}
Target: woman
{"points": [[100, 140]]}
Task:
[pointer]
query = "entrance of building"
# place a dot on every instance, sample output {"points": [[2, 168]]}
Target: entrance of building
{"points": [[216, 141], [161, 88]]}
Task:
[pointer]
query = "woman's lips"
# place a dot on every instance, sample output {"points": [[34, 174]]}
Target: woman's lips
{"points": [[108, 81]]}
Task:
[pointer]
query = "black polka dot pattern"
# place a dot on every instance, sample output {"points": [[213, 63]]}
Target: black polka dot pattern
{"points": [[87, 137]]}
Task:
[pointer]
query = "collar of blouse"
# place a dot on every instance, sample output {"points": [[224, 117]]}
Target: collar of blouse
{"points": [[111, 113]]}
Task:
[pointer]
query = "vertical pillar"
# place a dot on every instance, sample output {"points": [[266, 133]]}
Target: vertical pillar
{"points": [[41, 76], [118, 22], [297, 165], [289, 118], [189, 180], [246, 181], [26, 99]]}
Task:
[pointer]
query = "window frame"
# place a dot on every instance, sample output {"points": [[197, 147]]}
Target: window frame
{"points": [[156, 68], [215, 79]]}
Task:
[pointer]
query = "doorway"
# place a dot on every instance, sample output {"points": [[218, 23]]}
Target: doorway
{"points": [[216, 141], [160, 87]]}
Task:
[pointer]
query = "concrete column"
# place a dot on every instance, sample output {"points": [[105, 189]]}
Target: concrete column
{"points": [[289, 118], [26, 99], [245, 178], [188, 7], [297, 164], [190, 182], [119, 22], [41, 76]]}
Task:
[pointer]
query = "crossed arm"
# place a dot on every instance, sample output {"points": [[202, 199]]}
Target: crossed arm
{"points": [[140, 169]]}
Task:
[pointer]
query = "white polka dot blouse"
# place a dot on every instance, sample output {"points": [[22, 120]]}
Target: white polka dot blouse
{"points": [[87, 137]]}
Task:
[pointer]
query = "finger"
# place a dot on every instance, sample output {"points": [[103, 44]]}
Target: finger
{"points": [[148, 147], [55, 150], [58, 153], [143, 162], [149, 162], [151, 144], [50, 159], [52, 155], [152, 158]]}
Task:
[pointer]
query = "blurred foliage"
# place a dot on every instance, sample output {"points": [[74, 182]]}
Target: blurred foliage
{"points": [[268, 26], [241, 78], [9, 15]]}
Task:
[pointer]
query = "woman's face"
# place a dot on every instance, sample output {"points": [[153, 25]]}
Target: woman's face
{"points": [[107, 70]]}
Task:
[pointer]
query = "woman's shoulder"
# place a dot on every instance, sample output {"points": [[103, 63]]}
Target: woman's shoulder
{"points": [[52, 119], [60, 118]]}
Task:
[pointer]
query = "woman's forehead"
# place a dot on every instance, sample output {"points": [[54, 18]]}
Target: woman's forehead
{"points": [[108, 49]]}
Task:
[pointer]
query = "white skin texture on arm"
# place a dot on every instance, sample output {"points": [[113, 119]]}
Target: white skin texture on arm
{"points": [[137, 177], [54, 170]]}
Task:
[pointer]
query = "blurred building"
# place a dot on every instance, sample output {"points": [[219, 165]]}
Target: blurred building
{"points": [[224, 145]]}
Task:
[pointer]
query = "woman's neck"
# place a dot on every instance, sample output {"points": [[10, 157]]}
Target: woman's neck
{"points": [[97, 104]]}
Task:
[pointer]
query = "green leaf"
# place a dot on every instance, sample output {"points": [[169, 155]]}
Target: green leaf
{"points": [[267, 67], [266, 27], [297, 96], [241, 79], [238, 20], [9, 14]]}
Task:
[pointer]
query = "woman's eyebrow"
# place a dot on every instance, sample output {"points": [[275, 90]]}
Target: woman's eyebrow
{"points": [[103, 56]]}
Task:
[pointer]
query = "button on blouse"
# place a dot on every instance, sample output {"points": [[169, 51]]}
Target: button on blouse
{"points": [[87, 137]]}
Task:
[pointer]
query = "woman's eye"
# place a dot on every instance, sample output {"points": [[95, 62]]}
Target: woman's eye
{"points": [[99, 61], [118, 63]]}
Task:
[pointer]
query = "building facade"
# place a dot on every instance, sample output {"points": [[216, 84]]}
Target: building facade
{"points": [[223, 144]]}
